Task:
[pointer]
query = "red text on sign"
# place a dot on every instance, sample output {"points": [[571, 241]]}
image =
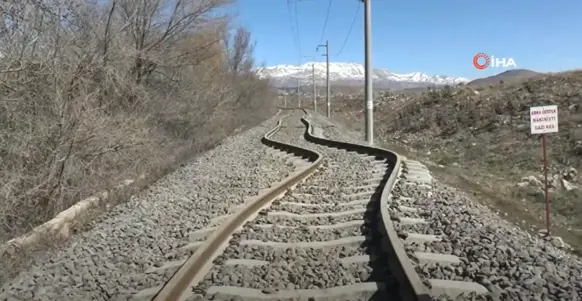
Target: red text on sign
{"points": [[548, 111], [543, 119], [546, 126]]}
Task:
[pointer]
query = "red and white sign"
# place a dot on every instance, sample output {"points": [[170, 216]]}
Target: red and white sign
{"points": [[482, 61], [544, 119]]}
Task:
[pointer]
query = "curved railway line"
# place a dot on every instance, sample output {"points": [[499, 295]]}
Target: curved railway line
{"points": [[294, 215], [317, 235]]}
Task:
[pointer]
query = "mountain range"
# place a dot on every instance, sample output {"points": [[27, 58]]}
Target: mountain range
{"points": [[350, 74]]}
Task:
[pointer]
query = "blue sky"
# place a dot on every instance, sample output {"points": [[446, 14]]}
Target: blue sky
{"points": [[434, 37]]}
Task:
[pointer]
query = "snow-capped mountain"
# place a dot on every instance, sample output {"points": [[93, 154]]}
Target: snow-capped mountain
{"points": [[350, 74]]}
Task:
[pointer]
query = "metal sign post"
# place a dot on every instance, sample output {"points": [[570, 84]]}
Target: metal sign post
{"points": [[544, 120]]}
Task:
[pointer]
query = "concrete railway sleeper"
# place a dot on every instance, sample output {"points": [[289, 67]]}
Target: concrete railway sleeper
{"points": [[318, 235], [294, 251], [192, 261]]}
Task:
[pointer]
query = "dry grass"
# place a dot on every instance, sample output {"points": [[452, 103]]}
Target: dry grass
{"points": [[94, 92], [483, 133]]}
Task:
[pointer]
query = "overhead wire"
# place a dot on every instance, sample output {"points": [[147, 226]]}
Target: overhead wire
{"points": [[294, 30], [350, 30], [298, 34], [326, 19]]}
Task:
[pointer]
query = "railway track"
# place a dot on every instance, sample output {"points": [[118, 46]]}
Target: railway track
{"points": [[319, 234], [347, 222]]}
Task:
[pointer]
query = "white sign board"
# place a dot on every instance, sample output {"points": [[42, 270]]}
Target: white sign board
{"points": [[544, 119]]}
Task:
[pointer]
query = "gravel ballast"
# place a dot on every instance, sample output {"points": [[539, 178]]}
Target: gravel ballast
{"points": [[341, 242], [297, 274], [509, 262], [326, 208], [292, 222], [297, 234], [269, 254], [109, 261]]}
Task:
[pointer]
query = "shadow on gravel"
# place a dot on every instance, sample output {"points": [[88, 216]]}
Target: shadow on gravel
{"points": [[379, 258]]}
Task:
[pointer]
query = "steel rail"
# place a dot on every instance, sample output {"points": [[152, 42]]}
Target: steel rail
{"points": [[411, 285], [198, 264]]}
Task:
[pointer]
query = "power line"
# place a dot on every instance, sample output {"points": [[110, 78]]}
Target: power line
{"points": [[350, 30], [292, 23], [294, 30], [297, 30], [325, 23]]}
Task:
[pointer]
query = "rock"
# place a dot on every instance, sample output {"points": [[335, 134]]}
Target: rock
{"points": [[570, 174], [554, 181], [558, 242], [532, 180], [522, 184], [577, 134], [568, 186], [523, 127]]}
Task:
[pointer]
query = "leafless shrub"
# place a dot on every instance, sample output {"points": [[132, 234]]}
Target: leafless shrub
{"points": [[92, 93]]}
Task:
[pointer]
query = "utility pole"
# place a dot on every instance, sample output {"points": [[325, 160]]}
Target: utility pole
{"points": [[327, 75], [369, 94], [298, 96], [313, 82], [285, 100], [314, 88]]}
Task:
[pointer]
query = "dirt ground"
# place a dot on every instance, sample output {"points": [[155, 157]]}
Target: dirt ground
{"points": [[477, 139]]}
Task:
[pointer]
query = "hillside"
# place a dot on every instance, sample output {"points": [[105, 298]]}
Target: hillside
{"points": [[507, 76], [482, 134]]}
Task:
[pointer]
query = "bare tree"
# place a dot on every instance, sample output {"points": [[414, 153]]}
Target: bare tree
{"points": [[93, 92], [240, 54], [151, 29]]}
